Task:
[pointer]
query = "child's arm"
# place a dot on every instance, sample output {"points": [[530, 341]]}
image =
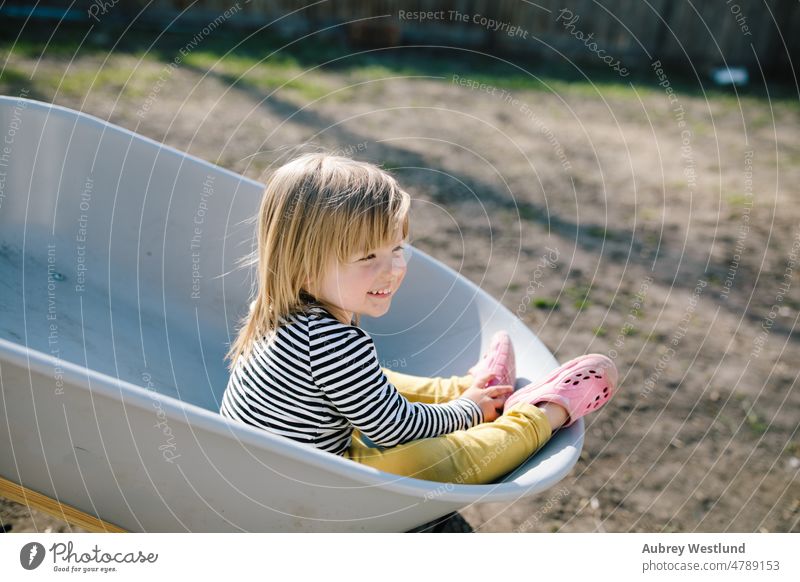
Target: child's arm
{"points": [[345, 365]]}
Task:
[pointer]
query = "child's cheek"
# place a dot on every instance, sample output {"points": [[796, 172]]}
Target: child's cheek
{"points": [[367, 276], [402, 275]]}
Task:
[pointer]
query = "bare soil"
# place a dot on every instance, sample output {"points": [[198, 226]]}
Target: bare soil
{"points": [[702, 435]]}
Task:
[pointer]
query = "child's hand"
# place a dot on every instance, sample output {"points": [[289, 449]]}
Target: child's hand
{"points": [[489, 399]]}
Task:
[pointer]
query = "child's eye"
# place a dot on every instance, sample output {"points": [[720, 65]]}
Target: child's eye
{"points": [[398, 249]]}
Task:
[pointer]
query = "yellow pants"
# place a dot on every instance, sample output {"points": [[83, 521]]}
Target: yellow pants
{"points": [[480, 454]]}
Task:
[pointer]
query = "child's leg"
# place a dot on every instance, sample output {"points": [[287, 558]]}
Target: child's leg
{"points": [[428, 390], [480, 454]]}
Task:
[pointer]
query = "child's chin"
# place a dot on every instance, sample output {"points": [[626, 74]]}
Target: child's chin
{"points": [[379, 310]]}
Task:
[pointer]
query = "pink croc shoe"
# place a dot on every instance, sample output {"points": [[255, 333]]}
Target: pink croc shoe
{"points": [[498, 361], [581, 385]]}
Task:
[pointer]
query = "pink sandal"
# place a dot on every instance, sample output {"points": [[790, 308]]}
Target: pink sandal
{"points": [[498, 361], [581, 386]]}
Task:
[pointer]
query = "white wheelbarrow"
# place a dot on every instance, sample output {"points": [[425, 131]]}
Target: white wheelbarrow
{"points": [[119, 296]]}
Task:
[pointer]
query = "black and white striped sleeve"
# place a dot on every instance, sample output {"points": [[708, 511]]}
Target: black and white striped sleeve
{"points": [[344, 364]]}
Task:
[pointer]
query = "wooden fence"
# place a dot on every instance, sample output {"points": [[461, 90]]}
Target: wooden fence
{"points": [[633, 33]]}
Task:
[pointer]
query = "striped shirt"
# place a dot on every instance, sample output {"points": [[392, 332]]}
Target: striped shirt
{"points": [[320, 378]]}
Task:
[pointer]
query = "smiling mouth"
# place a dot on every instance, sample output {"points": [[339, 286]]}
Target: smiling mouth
{"points": [[371, 294]]}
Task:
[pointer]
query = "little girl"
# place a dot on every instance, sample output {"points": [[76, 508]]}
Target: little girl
{"points": [[331, 247]]}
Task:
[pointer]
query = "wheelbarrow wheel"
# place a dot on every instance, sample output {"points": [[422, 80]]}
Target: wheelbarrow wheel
{"points": [[450, 523]]}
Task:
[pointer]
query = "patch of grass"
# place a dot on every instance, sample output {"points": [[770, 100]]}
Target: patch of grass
{"points": [[517, 74], [374, 72], [736, 199], [752, 419], [131, 83], [61, 47], [527, 212], [599, 231], [580, 296], [600, 331], [545, 303], [390, 165], [78, 81], [240, 62], [581, 304], [756, 423], [13, 76], [244, 64], [282, 71], [652, 336]]}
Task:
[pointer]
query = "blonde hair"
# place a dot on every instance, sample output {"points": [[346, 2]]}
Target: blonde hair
{"points": [[314, 207]]}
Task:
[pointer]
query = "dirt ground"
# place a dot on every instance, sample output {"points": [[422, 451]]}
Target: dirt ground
{"points": [[670, 234]]}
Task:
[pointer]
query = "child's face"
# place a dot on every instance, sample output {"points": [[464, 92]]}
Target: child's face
{"points": [[348, 285]]}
